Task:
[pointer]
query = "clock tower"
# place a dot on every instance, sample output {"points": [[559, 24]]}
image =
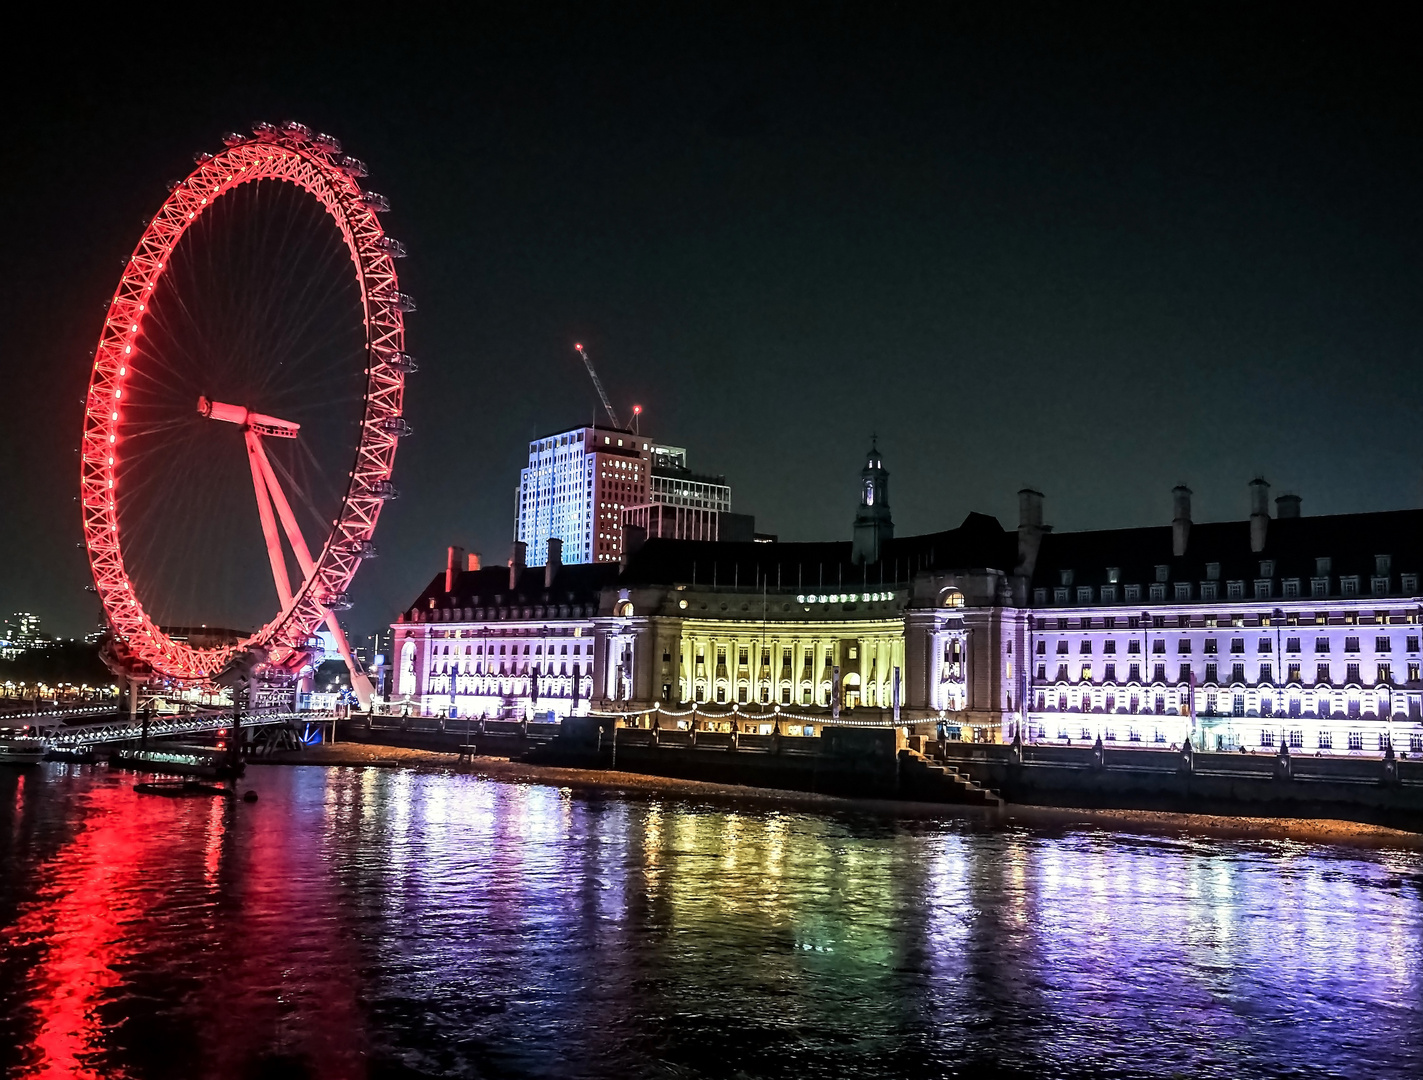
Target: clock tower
{"points": [[873, 524]]}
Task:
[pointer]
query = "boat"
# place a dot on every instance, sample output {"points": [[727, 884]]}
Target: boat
{"points": [[182, 787], [21, 750]]}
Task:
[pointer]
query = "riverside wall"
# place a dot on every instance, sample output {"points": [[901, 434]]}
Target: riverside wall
{"points": [[1386, 792]]}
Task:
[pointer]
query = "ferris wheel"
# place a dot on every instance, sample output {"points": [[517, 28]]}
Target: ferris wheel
{"points": [[254, 351]]}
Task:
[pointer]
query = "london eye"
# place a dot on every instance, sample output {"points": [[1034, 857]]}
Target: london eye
{"points": [[244, 410]]}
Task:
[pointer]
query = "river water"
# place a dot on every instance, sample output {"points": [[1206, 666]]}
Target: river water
{"points": [[396, 923]]}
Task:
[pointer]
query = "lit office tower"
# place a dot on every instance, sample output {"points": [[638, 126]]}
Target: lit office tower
{"points": [[575, 488]]}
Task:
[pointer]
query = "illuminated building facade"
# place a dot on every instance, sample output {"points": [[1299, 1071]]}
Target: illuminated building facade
{"points": [[575, 488], [1241, 634], [1276, 630]]}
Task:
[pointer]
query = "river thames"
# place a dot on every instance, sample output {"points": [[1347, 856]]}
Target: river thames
{"points": [[399, 923]]}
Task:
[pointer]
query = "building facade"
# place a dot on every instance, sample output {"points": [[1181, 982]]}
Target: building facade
{"points": [[1246, 634]]}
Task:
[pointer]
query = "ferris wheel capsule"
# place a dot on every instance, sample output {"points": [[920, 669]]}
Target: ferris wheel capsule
{"points": [[327, 144]]}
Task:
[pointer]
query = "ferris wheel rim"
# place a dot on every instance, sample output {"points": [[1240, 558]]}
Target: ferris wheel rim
{"points": [[316, 166]]}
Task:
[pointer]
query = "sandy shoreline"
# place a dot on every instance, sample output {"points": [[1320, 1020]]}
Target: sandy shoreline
{"points": [[1303, 830]]}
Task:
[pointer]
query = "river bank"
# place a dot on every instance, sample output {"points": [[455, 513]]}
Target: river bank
{"points": [[627, 784]]}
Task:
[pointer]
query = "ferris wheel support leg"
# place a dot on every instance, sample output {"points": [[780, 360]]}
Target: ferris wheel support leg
{"points": [[257, 460], [360, 683]]}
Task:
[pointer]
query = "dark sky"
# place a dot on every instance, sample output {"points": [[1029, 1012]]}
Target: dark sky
{"points": [[1096, 254]]}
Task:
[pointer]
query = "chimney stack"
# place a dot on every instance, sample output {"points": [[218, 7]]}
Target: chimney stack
{"points": [[555, 561], [1259, 513], [1287, 506], [452, 567], [1180, 519], [517, 563], [1030, 530]]}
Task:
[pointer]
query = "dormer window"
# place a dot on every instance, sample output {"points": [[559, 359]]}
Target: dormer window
{"points": [[1323, 567], [1114, 575], [1212, 571], [1267, 568], [1383, 565], [1064, 577], [1163, 573]]}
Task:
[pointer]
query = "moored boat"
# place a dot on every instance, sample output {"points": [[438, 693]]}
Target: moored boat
{"points": [[21, 750]]}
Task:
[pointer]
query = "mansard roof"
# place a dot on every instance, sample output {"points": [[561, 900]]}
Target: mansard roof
{"points": [[979, 543], [580, 583], [1350, 541]]}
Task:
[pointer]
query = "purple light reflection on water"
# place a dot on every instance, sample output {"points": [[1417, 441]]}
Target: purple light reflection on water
{"points": [[397, 923]]}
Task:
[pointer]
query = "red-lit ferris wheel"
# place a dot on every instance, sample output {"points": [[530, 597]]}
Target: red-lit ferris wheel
{"points": [[254, 348]]}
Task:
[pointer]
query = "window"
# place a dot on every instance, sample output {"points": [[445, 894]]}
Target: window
{"points": [[1349, 585], [1415, 744], [1267, 706], [1291, 588], [1262, 589], [1042, 647], [1134, 646], [1158, 646], [1183, 590], [1410, 584], [1085, 622], [1158, 673], [1326, 740], [1086, 675], [1321, 673], [1059, 596], [1163, 573], [1210, 647], [1237, 673], [1039, 596], [1211, 673], [1356, 740], [1084, 594], [1158, 592], [1133, 594], [1267, 673], [1267, 738], [1413, 672], [1064, 577], [1351, 644], [1183, 646], [1110, 647], [1351, 673], [1385, 673], [1212, 571], [1062, 647], [1234, 590], [1042, 673], [1110, 673], [1237, 645], [1109, 594], [1237, 705], [1383, 644], [1412, 644], [1321, 645], [1085, 647], [1210, 590], [1062, 673], [1379, 586], [1184, 675], [1292, 644], [1319, 586], [1294, 675], [1134, 674]]}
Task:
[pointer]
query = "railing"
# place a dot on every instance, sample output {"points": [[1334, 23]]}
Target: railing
{"points": [[76, 735]]}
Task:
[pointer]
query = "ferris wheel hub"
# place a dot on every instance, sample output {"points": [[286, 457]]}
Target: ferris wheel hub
{"points": [[246, 419]]}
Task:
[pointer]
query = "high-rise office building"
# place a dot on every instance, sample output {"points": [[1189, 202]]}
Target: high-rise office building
{"points": [[575, 488]]}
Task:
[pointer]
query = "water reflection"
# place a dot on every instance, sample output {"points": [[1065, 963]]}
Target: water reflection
{"points": [[389, 922]]}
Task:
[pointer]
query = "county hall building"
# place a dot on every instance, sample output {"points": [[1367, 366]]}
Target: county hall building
{"points": [[1237, 634]]}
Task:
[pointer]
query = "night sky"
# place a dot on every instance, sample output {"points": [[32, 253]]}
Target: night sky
{"points": [[1095, 255]]}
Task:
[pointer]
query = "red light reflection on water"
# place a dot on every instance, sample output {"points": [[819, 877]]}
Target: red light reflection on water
{"points": [[80, 913]]}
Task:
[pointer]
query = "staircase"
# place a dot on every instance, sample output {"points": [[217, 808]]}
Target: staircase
{"points": [[922, 779]]}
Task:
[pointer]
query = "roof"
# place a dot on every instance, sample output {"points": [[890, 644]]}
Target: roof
{"points": [[1350, 541], [580, 583], [979, 543]]}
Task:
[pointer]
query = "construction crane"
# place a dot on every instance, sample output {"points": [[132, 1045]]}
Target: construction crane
{"points": [[598, 385]]}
